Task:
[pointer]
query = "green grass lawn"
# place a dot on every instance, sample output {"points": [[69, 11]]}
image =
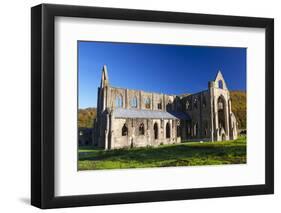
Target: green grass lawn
{"points": [[183, 154]]}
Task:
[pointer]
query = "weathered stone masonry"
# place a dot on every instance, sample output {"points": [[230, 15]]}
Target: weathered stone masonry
{"points": [[135, 118]]}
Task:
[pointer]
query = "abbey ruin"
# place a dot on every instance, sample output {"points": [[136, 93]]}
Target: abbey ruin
{"points": [[135, 118]]}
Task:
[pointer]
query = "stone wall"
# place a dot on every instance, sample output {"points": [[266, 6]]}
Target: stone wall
{"points": [[128, 95], [134, 137], [197, 106]]}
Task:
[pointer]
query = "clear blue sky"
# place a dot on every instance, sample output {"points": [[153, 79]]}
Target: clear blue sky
{"points": [[170, 69]]}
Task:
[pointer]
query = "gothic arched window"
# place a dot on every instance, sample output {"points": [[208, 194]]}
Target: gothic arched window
{"points": [[141, 129], [147, 103], [220, 84], [221, 112], [187, 105], [134, 102], [195, 103], [220, 103], [118, 101], [159, 105], [168, 130], [124, 130]]}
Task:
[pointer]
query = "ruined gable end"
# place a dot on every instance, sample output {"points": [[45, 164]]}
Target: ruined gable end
{"points": [[219, 81]]}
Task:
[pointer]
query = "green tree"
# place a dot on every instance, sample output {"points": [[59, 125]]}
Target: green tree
{"points": [[86, 117], [239, 107]]}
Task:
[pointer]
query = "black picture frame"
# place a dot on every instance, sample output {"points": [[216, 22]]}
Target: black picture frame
{"points": [[43, 117]]}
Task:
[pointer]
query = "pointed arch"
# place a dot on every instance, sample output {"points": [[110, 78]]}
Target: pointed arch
{"points": [[147, 103], [141, 129], [220, 83], [118, 101], [124, 130], [168, 130], [134, 102], [155, 128]]}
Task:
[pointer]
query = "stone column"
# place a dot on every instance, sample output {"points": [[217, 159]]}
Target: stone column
{"points": [[212, 116], [140, 103], [162, 130], [174, 129], [226, 120], [106, 132], [171, 130], [111, 130], [152, 101], [103, 91], [126, 99], [164, 103], [107, 97], [147, 132]]}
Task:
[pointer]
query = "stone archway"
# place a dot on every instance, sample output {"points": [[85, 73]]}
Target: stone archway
{"points": [[222, 114], [168, 130], [155, 128]]}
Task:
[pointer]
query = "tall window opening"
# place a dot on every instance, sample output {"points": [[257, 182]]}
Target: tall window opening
{"points": [[118, 101], [220, 84], [124, 130], [141, 129], [168, 130], [221, 112], [147, 103], [155, 128], [134, 103]]}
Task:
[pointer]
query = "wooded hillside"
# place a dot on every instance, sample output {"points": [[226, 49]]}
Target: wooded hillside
{"points": [[239, 107], [86, 117]]}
